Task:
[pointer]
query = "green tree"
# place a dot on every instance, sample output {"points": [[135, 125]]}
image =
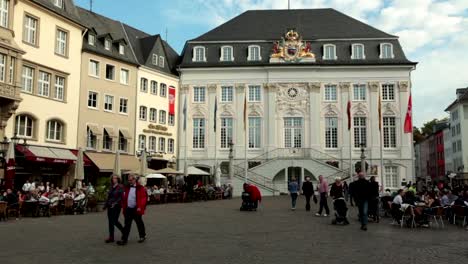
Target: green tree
{"points": [[426, 129], [417, 135]]}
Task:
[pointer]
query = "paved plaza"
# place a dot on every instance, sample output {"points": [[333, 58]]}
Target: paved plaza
{"points": [[216, 232]]}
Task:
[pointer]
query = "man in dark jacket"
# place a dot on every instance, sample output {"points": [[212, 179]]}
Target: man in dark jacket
{"points": [[133, 205], [362, 193], [308, 191]]}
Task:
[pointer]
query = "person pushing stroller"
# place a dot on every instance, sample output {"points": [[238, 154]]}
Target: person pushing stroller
{"points": [[339, 203]]}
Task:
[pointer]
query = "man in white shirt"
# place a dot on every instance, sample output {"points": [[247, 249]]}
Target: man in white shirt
{"points": [[26, 186], [398, 198]]}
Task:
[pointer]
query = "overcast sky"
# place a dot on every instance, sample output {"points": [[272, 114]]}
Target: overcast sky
{"points": [[433, 33]]}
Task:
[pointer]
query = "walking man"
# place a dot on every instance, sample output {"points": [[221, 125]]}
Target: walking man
{"points": [[323, 190], [293, 189], [308, 191], [134, 205], [362, 193]]}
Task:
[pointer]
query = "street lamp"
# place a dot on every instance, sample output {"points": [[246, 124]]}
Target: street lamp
{"points": [[231, 160]]}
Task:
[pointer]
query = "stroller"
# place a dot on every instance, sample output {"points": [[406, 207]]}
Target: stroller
{"points": [[341, 211], [247, 204]]}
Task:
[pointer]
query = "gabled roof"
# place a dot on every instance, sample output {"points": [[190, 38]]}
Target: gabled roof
{"points": [[462, 97], [69, 10], [311, 23]]}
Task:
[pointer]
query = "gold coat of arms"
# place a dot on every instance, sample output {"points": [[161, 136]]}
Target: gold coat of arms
{"points": [[291, 48]]}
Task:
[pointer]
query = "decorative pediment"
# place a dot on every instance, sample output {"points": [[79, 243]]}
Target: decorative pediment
{"points": [[331, 110], [227, 110], [255, 110], [199, 111], [389, 109], [360, 109]]}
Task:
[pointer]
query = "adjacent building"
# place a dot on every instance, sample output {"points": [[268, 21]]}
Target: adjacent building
{"points": [[47, 117], [296, 93], [458, 111]]}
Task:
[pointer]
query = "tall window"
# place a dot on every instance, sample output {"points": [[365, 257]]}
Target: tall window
{"points": [[91, 139], [388, 92], [110, 72], [199, 94], [162, 117], [59, 88], [12, 70], [154, 87], [161, 61], [124, 76], [386, 51], [389, 128], [123, 106], [391, 177], [43, 84], [30, 30], [357, 52], [331, 132], [144, 85], [254, 53], [91, 39], [360, 131], [227, 93], [293, 132], [198, 140], [121, 49], [163, 90], [171, 120], [54, 131], [152, 143], [27, 79], [92, 99], [226, 132], [359, 92], [329, 52], [143, 113], [4, 10], [330, 93], [24, 126], [154, 59], [109, 103], [226, 53], [106, 141], [2, 67], [170, 145], [255, 93], [107, 44], [61, 42], [141, 142], [94, 68], [162, 144], [199, 54], [153, 115], [123, 143], [255, 132]]}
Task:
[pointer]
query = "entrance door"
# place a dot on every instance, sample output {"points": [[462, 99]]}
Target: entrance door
{"points": [[293, 129]]}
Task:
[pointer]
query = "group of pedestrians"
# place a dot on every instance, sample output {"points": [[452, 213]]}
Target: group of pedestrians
{"points": [[364, 193], [131, 199]]}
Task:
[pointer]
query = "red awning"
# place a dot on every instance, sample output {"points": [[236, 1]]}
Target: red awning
{"points": [[86, 160], [50, 155]]}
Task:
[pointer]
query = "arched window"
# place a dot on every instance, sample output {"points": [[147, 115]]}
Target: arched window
{"points": [[24, 126], [199, 54], [144, 85], [152, 144], [170, 145], [54, 130], [141, 142], [254, 53], [227, 53], [357, 52], [162, 117], [162, 144], [153, 115], [386, 51], [143, 113], [329, 52]]}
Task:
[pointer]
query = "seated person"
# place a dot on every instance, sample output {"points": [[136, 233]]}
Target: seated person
{"points": [[80, 196], [396, 206], [43, 198]]}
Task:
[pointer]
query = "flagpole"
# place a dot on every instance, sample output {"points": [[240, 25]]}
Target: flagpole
{"points": [[350, 138], [381, 140], [245, 137], [215, 135], [186, 135]]}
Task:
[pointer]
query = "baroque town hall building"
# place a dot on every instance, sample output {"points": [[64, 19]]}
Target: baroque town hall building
{"points": [[284, 84]]}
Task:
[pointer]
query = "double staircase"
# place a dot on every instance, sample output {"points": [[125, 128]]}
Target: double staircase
{"points": [[263, 168]]}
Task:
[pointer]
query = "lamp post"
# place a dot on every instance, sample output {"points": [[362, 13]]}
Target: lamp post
{"points": [[363, 159], [231, 160]]}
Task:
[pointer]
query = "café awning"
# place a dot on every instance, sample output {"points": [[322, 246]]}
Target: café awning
{"points": [[47, 154], [105, 161], [110, 131], [94, 129], [125, 133]]}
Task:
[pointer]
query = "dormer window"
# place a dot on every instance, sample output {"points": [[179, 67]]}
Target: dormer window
{"points": [[357, 52], [107, 44], [161, 61], [254, 53], [329, 52], [58, 3], [154, 59], [386, 51], [226, 53], [91, 39], [121, 49], [199, 54]]}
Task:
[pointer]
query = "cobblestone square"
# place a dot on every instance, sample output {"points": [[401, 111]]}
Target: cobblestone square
{"points": [[217, 232]]}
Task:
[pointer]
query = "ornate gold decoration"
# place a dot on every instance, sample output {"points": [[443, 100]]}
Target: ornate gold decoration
{"points": [[292, 49]]}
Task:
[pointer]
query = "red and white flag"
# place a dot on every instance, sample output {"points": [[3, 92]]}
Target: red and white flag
{"points": [[409, 117], [172, 98]]}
